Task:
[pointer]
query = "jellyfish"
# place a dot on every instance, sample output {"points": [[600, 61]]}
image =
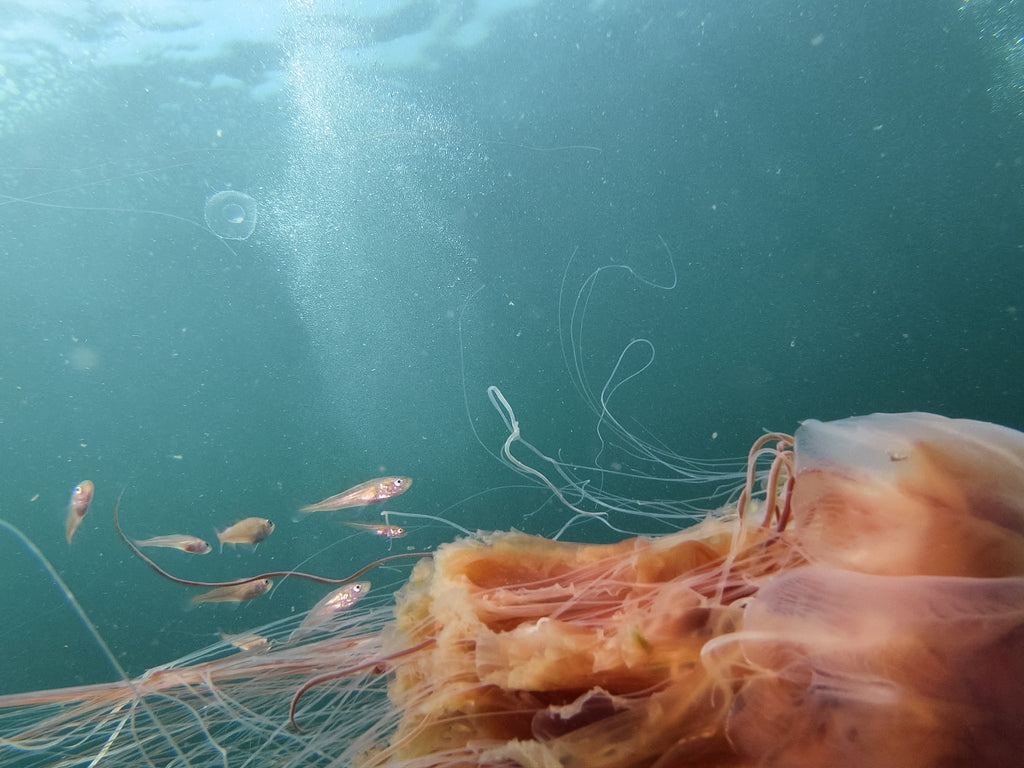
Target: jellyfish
{"points": [[862, 603], [230, 215]]}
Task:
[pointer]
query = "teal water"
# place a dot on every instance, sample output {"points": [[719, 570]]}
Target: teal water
{"points": [[833, 194]]}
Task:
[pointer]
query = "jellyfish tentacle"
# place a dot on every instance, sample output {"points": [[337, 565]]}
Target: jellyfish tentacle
{"points": [[757, 450], [113, 736], [80, 612], [787, 503], [782, 460], [505, 410], [371, 664]]}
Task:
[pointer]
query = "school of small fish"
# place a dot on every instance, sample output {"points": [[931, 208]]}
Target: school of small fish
{"points": [[253, 530]]}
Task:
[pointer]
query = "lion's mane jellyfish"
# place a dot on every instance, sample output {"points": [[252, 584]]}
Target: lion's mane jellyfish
{"points": [[866, 609], [230, 214]]}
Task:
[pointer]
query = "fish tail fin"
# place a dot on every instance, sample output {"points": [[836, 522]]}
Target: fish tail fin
{"points": [[220, 540], [70, 527]]}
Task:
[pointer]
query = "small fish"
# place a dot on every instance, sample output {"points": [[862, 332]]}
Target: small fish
{"points": [[236, 594], [381, 529], [370, 492], [81, 498], [189, 544], [246, 642], [324, 613], [252, 530]]}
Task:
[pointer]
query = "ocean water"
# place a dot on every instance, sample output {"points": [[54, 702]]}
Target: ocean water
{"points": [[703, 220]]}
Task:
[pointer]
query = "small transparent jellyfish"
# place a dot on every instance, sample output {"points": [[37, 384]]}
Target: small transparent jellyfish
{"points": [[231, 215]]}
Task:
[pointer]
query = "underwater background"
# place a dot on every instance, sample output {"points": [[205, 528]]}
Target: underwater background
{"points": [[819, 205]]}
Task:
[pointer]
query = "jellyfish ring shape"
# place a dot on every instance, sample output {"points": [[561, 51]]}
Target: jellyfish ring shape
{"points": [[231, 215]]}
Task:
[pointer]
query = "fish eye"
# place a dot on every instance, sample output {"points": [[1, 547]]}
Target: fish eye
{"points": [[399, 481], [357, 587]]}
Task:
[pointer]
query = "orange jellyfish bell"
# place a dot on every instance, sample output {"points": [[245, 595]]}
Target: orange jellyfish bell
{"points": [[902, 643], [911, 493], [844, 669]]}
